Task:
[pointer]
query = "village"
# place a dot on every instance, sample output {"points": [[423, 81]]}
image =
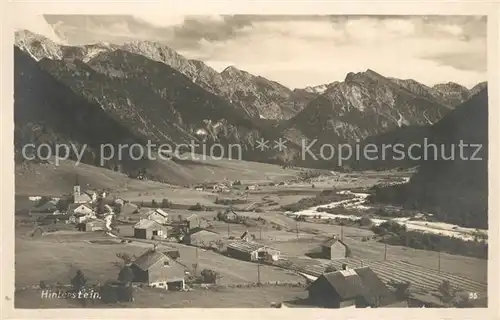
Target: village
{"points": [[240, 243]]}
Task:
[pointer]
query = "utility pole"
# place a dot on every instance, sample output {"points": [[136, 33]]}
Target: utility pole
{"points": [[439, 261], [342, 232], [196, 269], [228, 229], [258, 270], [297, 228], [385, 250], [260, 230]]}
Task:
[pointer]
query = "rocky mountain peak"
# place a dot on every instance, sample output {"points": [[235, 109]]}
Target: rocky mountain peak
{"points": [[37, 46]]}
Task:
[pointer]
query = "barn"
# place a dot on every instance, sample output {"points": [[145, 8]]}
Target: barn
{"points": [[149, 229], [251, 251], [332, 249]]}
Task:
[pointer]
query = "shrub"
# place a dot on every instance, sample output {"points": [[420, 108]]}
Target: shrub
{"points": [[366, 221], [196, 207], [165, 203]]}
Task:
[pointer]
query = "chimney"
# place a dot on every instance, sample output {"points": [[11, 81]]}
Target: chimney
{"points": [[344, 266]]}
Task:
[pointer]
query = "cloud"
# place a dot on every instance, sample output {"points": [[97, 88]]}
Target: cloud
{"points": [[303, 50]]}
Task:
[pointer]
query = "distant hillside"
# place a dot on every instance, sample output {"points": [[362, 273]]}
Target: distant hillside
{"points": [[454, 190]]}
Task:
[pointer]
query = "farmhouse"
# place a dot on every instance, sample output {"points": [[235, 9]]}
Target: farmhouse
{"points": [[127, 208], [199, 188], [48, 208], [221, 187], [358, 288], [230, 216], [92, 225], [332, 249], [202, 238], [157, 270], [251, 187], [251, 251], [149, 229], [158, 215], [194, 221], [79, 213], [246, 236]]}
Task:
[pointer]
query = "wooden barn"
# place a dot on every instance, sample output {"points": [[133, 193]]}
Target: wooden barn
{"points": [[202, 238], [332, 249], [157, 270], [251, 251], [359, 288], [149, 229]]}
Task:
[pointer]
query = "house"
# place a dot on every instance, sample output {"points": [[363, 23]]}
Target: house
{"points": [[118, 201], [252, 187], [158, 215], [92, 225], [75, 208], [128, 208], [199, 188], [251, 251], [221, 187], [194, 221], [230, 215], [157, 270], [202, 238], [149, 229], [359, 288], [48, 208], [79, 213], [332, 249], [246, 236]]}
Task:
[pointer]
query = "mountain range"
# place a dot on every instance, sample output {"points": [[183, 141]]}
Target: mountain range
{"points": [[151, 92]]}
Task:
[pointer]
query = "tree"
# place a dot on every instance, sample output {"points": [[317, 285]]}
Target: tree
{"points": [[62, 205], [165, 203], [154, 204], [446, 291], [100, 206], [78, 281], [210, 276], [126, 276], [401, 289]]}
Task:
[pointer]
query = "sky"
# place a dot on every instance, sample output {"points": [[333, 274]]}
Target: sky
{"points": [[299, 51]]}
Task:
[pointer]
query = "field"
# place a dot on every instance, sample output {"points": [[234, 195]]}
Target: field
{"points": [[252, 297], [58, 255], [62, 256], [55, 180], [422, 279]]}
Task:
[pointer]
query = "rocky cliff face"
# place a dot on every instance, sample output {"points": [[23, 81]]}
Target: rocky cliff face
{"points": [[365, 104], [158, 94], [257, 96]]}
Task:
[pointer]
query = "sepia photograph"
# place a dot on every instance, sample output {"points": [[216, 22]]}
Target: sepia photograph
{"points": [[319, 161]]}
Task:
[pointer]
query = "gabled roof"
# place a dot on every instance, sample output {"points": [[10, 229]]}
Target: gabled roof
{"points": [[149, 258], [355, 283], [49, 205], [160, 212], [147, 224], [246, 246], [74, 206], [332, 241], [192, 216]]}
